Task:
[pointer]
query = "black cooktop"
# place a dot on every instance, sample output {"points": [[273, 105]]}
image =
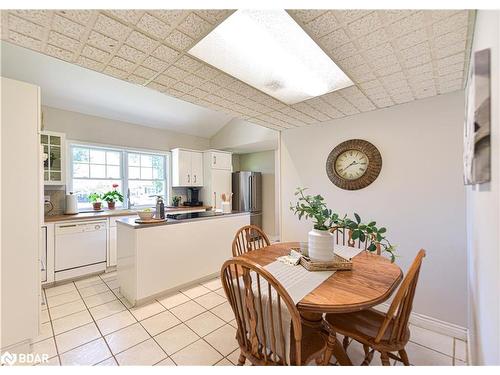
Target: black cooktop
{"points": [[193, 215]]}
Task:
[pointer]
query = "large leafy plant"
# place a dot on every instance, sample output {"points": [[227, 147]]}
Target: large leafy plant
{"points": [[314, 207], [113, 195]]}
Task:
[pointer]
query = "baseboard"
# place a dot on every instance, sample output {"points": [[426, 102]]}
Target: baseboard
{"points": [[433, 324]]}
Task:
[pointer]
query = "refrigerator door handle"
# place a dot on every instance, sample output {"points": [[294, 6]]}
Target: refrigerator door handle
{"points": [[251, 195]]}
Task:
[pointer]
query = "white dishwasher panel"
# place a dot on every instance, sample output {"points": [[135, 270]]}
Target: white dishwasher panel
{"points": [[80, 244]]}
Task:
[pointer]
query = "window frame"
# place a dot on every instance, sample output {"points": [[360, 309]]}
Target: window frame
{"points": [[124, 180]]}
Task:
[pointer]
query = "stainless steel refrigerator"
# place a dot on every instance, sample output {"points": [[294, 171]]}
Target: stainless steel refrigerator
{"points": [[247, 195]]}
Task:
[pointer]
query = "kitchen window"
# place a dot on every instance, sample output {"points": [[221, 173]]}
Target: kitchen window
{"points": [[140, 175]]}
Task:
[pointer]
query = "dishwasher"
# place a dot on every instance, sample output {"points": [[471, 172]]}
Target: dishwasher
{"points": [[80, 248]]}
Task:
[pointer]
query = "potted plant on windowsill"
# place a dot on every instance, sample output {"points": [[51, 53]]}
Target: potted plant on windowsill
{"points": [[321, 241], [176, 200], [112, 196], [96, 200]]}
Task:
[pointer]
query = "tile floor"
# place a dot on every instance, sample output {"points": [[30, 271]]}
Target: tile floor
{"points": [[88, 322]]}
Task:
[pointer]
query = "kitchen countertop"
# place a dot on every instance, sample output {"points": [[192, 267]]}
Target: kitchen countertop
{"points": [[117, 212], [130, 222]]}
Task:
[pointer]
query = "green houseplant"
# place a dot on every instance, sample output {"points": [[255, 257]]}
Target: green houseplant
{"points": [[112, 196], [96, 200], [315, 208], [176, 200]]}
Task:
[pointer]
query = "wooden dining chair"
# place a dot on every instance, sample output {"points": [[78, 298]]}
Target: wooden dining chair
{"points": [[384, 333], [248, 238], [343, 236], [259, 303]]}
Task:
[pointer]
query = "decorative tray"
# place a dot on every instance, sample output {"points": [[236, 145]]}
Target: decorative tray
{"points": [[151, 221], [337, 264]]}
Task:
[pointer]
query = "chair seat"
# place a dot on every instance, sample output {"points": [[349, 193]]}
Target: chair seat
{"points": [[313, 344], [363, 326]]}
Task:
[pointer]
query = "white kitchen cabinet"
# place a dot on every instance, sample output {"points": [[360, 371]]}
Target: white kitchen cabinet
{"points": [[21, 196], [187, 168], [220, 160], [54, 149], [112, 249], [217, 177]]}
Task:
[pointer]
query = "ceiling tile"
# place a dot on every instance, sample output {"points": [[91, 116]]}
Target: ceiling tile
{"points": [[128, 15], [411, 39], [95, 53], [165, 53], [81, 16], [193, 80], [195, 26], [199, 93], [24, 27], [102, 42], [187, 63], [130, 53], [141, 42], [179, 40], [407, 24], [324, 107], [334, 39], [59, 53], [381, 51], [89, 63], [373, 39], [310, 111], [447, 69], [109, 27], [223, 80], [324, 24], [141, 71], [115, 72], [349, 15], [62, 41], [171, 17], [207, 72], [345, 51], [40, 17], [450, 49], [165, 80], [67, 27], [450, 38], [153, 26], [306, 15], [122, 64], [175, 72], [214, 16], [417, 50], [451, 23], [154, 64], [181, 86], [393, 15], [340, 103], [156, 86], [24, 41], [136, 79], [365, 25]]}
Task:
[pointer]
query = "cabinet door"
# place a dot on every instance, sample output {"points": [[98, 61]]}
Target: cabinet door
{"points": [[112, 247], [221, 160], [181, 168], [196, 169], [54, 150], [221, 183]]}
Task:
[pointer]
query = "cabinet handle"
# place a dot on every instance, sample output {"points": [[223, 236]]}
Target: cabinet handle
{"points": [[195, 179], [189, 178], [215, 159]]}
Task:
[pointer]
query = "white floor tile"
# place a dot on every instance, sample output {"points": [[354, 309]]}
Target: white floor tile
{"points": [[60, 289], [165, 362], [421, 356], [109, 276], [432, 340], [160, 322], [45, 332], [233, 357], [76, 337], [195, 291], [176, 338], [221, 292], [213, 284], [197, 354], [112, 284], [223, 339], [84, 283], [88, 354], [210, 300], [44, 316], [54, 361], [93, 289], [115, 322], [107, 309], [205, 323], [72, 321], [99, 299], [127, 337], [108, 362], [63, 298], [145, 354], [173, 300], [460, 350], [47, 347], [458, 362], [66, 309], [224, 311], [145, 311], [224, 362], [187, 310]]}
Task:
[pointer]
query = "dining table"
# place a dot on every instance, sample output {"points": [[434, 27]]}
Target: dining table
{"points": [[371, 281]]}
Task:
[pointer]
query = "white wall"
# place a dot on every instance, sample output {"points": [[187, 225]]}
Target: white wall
{"points": [[419, 195], [483, 219], [82, 127], [263, 162]]}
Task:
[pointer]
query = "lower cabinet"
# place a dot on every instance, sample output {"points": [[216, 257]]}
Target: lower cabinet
{"points": [[112, 250]]}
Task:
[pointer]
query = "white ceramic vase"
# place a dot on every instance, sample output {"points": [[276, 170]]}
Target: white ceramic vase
{"points": [[320, 245]]}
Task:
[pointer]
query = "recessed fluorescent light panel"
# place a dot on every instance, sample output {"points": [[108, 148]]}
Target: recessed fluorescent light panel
{"points": [[268, 50]]}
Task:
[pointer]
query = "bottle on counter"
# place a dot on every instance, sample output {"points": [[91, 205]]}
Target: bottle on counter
{"points": [[160, 207]]}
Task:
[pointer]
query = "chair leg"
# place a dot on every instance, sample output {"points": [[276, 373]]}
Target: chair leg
{"points": [[345, 342], [384, 358], [368, 357], [241, 360], [404, 357], [366, 348]]}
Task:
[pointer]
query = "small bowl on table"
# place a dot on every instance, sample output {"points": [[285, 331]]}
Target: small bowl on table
{"points": [[146, 215]]}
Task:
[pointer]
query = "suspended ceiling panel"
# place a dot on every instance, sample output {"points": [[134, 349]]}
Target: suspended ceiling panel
{"points": [[393, 56]]}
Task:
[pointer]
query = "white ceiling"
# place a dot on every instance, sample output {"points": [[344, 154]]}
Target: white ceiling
{"points": [[74, 88], [392, 56]]}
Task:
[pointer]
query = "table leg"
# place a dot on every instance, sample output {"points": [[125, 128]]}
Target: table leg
{"points": [[315, 321]]}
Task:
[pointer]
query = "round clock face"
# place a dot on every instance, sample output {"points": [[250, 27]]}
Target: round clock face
{"points": [[351, 164]]}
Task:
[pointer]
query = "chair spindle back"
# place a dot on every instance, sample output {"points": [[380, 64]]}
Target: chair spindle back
{"points": [[248, 238]]}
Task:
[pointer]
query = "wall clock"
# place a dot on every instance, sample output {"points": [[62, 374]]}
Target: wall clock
{"points": [[353, 164]]}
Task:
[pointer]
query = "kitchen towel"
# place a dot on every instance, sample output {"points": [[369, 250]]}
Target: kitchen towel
{"points": [[346, 252]]}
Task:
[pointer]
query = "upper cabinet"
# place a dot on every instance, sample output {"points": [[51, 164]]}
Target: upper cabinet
{"points": [[220, 160], [53, 157], [187, 168]]}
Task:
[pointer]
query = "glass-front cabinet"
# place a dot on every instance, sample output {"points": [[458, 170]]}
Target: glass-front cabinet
{"points": [[53, 158]]}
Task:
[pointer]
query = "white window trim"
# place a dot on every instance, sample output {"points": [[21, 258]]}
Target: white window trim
{"points": [[124, 166]]}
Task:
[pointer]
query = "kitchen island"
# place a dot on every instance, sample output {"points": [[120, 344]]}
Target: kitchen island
{"points": [[155, 259]]}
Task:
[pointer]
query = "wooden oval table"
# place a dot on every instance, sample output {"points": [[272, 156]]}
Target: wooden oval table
{"points": [[371, 281]]}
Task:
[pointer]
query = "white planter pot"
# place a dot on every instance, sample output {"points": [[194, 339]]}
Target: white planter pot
{"points": [[320, 245]]}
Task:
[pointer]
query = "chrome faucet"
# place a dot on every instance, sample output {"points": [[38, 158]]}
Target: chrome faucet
{"points": [[129, 202]]}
